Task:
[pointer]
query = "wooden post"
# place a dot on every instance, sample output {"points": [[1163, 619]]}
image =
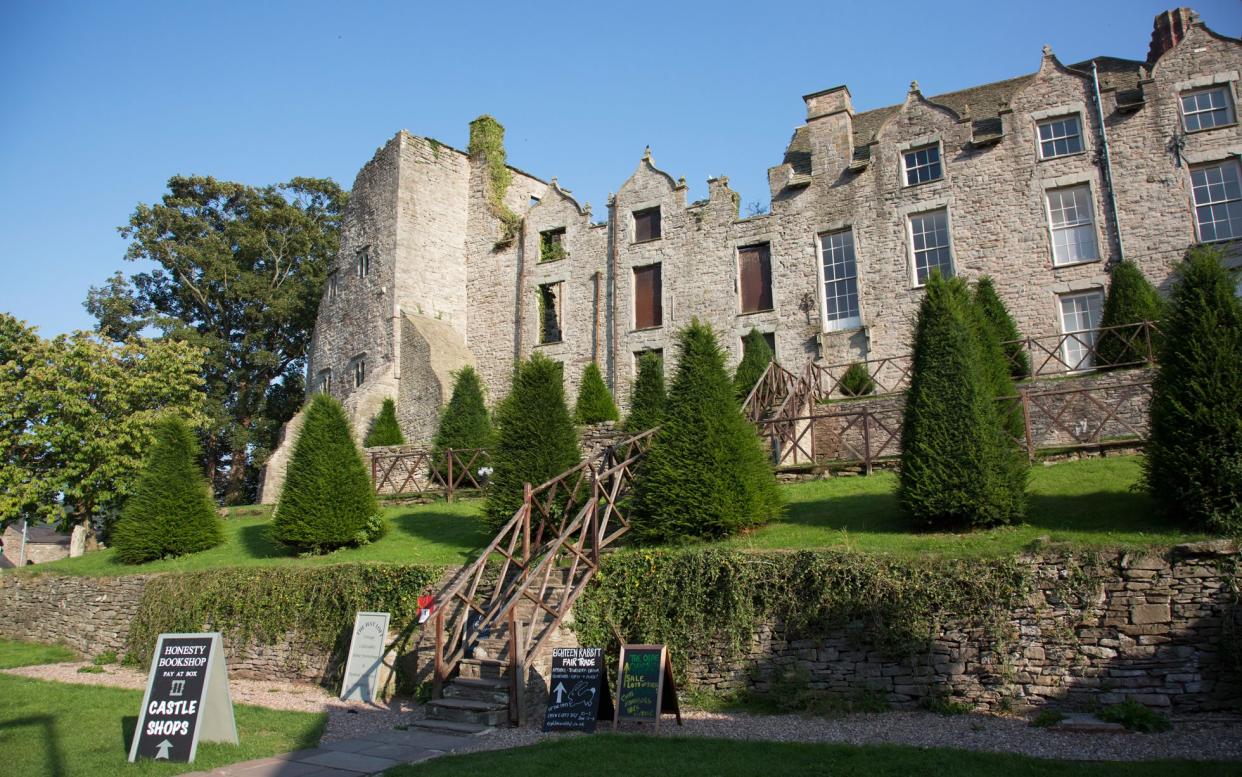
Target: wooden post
{"points": [[1026, 422], [517, 672], [448, 488], [1151, 356], [437, 677], [374, 485], [867, 442], [526, 507]]}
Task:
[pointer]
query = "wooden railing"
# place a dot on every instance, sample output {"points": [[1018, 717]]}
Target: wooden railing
{"points": [[561, 526], [769, 392], [422, 473]]}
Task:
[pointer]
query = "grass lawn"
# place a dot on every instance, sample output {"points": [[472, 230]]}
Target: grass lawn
{"points": [[644, 756], [14, 654], [59, 730]]}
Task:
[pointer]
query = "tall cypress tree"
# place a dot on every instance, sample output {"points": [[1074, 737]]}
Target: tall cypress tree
{"points": [[595, 403], [706, 475], [171, 512], [464, 423], [648, 399], [1194, 455], [535, 439], [1004, 329], [958, 467], [1131, 299], [756, 356], [384, 427]]}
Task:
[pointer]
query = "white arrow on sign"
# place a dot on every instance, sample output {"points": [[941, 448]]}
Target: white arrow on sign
{"points": [[560, 691], [164, 747]]}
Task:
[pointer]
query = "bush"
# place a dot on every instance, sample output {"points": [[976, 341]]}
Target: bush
{"points": [[706, 475], [857, 381], [1131, 299], [648, 399], [384, 427], [464, 423], [327, 501], [1017, 361], [958, 467], [595, 403], [1135, 717], [536, 439], [1193, 465], [756, 356], [1047, 718], [171, 512]]}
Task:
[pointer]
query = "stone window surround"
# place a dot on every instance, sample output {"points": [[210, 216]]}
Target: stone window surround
{"points": [[323, 380], [735, 246], [1058, 112], [914, 209], [1058, 290], [1065, 182], [840, 226], [1228, 79], [362, 262], [564, 305], [912, 145], [359, 360], [641, 206]]}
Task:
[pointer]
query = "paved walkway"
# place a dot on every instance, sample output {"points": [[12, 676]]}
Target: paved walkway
{"points": [[348, 757]]}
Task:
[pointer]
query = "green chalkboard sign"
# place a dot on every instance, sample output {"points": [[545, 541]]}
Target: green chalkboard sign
{"points": [[645, 687]]}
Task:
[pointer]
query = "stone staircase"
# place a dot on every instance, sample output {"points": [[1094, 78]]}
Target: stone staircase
{"points": [[477, 700]]}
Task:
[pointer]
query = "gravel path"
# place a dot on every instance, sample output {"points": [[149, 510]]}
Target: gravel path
{"points": [[1201, 737]]}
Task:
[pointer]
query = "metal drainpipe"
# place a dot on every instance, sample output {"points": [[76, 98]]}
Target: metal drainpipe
{"points": [[1108, 163]]}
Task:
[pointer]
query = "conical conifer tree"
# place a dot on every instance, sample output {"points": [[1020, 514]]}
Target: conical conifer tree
{"points": [[327, 501], [384, 427], [1017, 361], [465, 424], [1131, 299], [1194, 455], [756, 356], [595, 403], [958, 467], [171, 512], [706, 475], [648, 400], [535, 437]]}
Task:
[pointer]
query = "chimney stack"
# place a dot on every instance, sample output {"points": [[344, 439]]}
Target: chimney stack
{"points": [[1169, 28]]}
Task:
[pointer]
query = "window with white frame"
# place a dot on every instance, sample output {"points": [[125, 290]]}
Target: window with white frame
{"points": [[929, 237], [922, 164], [1072, 225], [360, 371], [364, 262], [1080, 322], [1207, 108], [1060, 137], [1217, 191], [836, 250]]}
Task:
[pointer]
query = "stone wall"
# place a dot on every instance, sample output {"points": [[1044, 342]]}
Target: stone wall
{"points": [[1156, 629]]}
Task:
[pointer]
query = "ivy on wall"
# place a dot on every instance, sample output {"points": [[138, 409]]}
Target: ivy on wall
{"points": [[487, 143]]}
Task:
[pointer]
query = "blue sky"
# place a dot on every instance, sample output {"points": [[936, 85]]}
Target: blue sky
{"points": [[102, 102]]}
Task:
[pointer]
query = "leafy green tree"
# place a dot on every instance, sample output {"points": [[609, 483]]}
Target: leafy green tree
{"points": [[536, 439], [706, 475], [76, 417], [594, 400], [756, 356], [465, 423], [384, 427], [171, 512], [648, 399], [958, 467], [1131, 299], [239, 271], [1017, 361], [1194, 455], [327, 501]]}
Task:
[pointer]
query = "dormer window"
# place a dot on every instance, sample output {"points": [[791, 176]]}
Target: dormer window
{"points": [[1207, 108], [364, 262], [1060, 137], [923, 164], [647, 224]]}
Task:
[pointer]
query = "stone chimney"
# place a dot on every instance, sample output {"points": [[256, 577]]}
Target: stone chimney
{"points": [[1169, 28]]}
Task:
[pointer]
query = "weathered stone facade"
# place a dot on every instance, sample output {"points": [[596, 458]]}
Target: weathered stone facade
{"points": [[420, 212]]}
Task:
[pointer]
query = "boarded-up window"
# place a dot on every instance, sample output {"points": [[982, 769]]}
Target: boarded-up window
{"points": [[550, 313], [648, 307], [755, 265], [647, 224]]}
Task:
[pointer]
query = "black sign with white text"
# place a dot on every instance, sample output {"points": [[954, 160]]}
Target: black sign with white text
{"points": [[578, 693], [186, 676]]}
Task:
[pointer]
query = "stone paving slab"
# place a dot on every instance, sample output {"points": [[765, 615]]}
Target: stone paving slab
{"points": [[348, 757], [355, 762]]}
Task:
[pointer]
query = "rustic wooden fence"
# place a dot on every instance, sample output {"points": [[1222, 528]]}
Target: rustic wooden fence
{"points": [[419, 472]]}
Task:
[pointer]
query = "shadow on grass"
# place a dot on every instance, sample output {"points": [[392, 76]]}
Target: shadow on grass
{"points": [[258, 542], [129, 724], [47, 735], [444, 527]]}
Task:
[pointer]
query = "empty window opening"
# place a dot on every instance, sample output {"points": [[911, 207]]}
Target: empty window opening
{"points": [[360, 371], [550, 313], [768, 337], [648, 302], [647, 224], [552, 245], [332, 285], [325, 381], [755, 272], [364, 262]]}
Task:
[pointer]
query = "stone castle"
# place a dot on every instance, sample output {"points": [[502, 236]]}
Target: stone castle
{"points": [[1042, 181]]}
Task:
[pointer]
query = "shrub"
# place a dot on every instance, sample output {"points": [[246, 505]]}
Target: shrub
{"points": [[857, 381], [1131, 299], [384, 427], [327, 501], [706, 474], [1017, 361], [464, 423], [594, 401], [1134, 716], [535, 440], [648, 399], [1047, 718], [1193, 465], [958, 466], [756, 356], [171, 512]]}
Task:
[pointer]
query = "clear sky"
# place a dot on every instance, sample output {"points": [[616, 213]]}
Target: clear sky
{"points": [[102, 102]]}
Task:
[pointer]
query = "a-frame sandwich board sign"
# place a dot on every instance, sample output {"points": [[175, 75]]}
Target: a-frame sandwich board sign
{"points": [[645, 686]]}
